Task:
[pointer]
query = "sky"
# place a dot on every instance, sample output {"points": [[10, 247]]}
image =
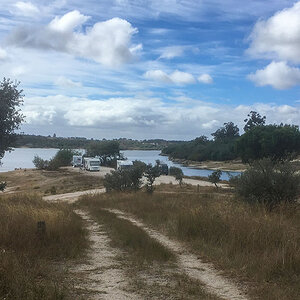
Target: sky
{"points": [[141, 69]]}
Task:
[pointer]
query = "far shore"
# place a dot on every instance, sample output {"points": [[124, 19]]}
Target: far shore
{"points": [[226, 166]]}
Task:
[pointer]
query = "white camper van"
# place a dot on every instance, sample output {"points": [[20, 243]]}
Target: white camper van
{"points": [[91, 164], [77, 161], [124, 164]]}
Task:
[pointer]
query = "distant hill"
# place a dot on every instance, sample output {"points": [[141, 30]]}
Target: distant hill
{"points": [[39, 141]]}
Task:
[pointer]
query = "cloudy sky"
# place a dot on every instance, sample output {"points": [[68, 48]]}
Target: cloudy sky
{"points": [[172, 69]]}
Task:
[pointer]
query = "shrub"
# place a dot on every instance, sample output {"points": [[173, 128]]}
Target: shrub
{"points": [[215, 177], [268, 182], [61, 159], [125, 180], [177, 173], [151, 173], [2, 186], [40, 163]]}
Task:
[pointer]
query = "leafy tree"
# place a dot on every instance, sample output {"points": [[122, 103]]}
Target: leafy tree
{"points": [[177, 173], [278, 142], [228, 131], [215, 177], [126, 179], [62, 158], [268, 182], [254, 119], [151, 173], [11, 99], [107, 150]]}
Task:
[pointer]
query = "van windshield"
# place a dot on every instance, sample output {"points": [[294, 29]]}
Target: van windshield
{"points": [[95, 163]]}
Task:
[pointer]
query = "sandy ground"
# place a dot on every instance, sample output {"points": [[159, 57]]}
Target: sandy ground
{"points": [[166, 179], [190, 264], [101, 275]]}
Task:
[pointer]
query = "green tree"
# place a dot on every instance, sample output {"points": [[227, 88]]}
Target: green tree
{"points": [[107, 150], [278, 142], [268, 182], [151, 173], [11, 98], [254, 119], [215, 177], [228, 131], [177, 173]]}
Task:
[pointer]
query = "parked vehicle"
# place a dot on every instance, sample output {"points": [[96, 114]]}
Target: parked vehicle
{"points": [[91, 164], [77, 161], [124, 164]]}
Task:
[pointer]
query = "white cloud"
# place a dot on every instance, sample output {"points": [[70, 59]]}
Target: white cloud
{"points": [[143, 117], [108, 43], [171, 52], [3, 54], [176, 77], [158, 75], [67, 83], [25, 9], [68, 22], [277, 74], [278, 36], [205, 78], [179, 77]]}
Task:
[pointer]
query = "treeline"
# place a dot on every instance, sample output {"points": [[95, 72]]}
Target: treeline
{"points": [[39, 141], [277, 142]]}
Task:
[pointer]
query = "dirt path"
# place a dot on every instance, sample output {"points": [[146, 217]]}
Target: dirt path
{"points": [[214, 282], [101, 258], [72, 197], [101, 276]]}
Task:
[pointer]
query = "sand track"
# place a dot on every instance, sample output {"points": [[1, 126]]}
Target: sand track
{"points": [[212, 279], [101, 275]]}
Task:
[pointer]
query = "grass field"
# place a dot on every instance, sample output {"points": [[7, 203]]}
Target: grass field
{"points": [[32, 263], [262, 249]]}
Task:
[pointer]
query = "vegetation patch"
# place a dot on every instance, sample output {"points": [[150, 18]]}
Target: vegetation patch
{"points": [[31, 256], [259, 246]]}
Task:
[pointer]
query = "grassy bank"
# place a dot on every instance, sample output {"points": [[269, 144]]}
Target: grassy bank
{"points": [[261, 248], [31, 262]]}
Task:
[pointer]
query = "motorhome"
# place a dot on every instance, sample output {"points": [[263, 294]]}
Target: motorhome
{"points": [[77, 161], [91, 164], [124, 164]]}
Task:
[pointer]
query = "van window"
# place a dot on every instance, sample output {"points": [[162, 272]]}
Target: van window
{"points": [[95, 163]]}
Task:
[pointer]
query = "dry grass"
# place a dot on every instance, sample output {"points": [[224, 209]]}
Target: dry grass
{"points": [[30, 263], [49, 182], [261, 248]]}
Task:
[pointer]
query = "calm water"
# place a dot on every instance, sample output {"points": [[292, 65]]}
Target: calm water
{"points": [[22, 158]]}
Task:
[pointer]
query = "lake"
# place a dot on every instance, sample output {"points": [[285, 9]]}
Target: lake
{"points": [[22, 158]]}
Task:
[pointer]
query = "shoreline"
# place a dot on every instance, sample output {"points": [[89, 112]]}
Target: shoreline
{"points": [[226, 166]]}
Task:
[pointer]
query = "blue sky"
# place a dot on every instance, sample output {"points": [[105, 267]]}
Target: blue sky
{"points": [[151, 69]]}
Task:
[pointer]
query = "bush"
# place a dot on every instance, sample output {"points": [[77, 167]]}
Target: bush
{"points": [[125, 180], [61, 159], [215, 177], [177, 173], [268, 182], [151, 173], [2, 186]]}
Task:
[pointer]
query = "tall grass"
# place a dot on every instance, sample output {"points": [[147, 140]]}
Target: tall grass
{"points": [[261, 247], [27, 258]]}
